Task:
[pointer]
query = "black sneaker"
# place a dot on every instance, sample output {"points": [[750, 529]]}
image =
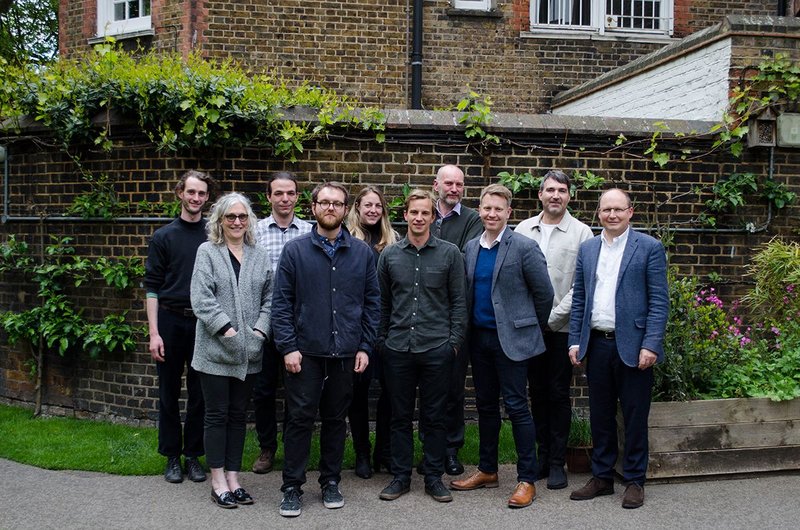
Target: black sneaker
{"points": [[194, 470], [173, 472], [395, 489], [331, 496], [292, 502], [437, 490]]}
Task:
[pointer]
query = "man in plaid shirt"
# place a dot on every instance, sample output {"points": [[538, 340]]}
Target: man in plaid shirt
{"points": [[273, 233]]}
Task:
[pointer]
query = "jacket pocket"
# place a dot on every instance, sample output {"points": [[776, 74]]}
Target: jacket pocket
{"points": [[229, 353], [254, 344], [525, 322], [640, 323]]}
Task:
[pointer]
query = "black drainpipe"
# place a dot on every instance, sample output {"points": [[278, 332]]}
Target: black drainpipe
{"points": [[781, 8], [416, 57]]}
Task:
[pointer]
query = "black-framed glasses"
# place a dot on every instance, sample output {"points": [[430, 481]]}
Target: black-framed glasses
{"points": [[232, 217], [337, 205]]}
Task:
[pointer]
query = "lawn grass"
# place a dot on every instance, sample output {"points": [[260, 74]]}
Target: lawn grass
{"points": [[86, 445]]}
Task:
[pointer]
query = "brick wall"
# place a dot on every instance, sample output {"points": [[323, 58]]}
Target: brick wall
{"points": [[124, 388], [362, 47]]}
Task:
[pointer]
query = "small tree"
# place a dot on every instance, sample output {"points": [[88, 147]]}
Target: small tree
{"points": [[55, 324]]}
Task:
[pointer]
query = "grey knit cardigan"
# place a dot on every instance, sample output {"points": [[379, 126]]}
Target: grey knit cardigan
{"points": [[218, 299]]}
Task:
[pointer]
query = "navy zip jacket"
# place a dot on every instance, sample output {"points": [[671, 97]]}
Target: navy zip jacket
{"points": [[325, 307]]}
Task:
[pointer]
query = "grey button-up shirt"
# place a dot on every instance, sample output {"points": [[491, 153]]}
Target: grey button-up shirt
{"points": [[423, 301]]}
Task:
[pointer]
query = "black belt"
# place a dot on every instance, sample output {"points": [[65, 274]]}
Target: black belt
{"points": [[183, 311], [599, 333]]}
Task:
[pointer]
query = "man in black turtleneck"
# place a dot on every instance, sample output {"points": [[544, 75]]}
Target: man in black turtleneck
{"points": [[171, 323]]}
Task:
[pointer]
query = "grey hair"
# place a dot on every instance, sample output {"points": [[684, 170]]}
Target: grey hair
{"points": [[218, 211]]}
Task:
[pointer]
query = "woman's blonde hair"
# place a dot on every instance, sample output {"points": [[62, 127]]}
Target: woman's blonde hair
{"points": [[218, 211], [388, 235]]}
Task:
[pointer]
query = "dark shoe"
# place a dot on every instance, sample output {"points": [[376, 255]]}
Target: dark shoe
{"points": [[437, 490], [633, 497], [292, 502], [363, 468], [479, 479], [395, 489], [382, 463], [224, 499], [557, 479], [173, 472], [593, 488], [194, 470], [331, 496], [452, 466], [242, 497], [523, 495], [263, 463]]}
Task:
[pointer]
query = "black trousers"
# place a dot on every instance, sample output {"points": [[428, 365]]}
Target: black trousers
{"points": [[383, 415], [455, 402], [325, 385], [358, 413], [549, 380], [177, 332], [226, 419], [265, 389], [430, 371]]}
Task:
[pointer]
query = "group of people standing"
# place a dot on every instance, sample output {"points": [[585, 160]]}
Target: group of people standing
{"points": [[335, 304]]}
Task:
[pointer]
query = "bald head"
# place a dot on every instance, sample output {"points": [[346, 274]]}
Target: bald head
{"points": [[449, 185], [615, 212]]}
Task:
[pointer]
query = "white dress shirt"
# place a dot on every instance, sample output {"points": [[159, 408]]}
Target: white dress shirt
{"points": [[605, 287]]}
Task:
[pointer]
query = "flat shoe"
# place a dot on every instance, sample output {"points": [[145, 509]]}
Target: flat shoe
{"points": [[242, 497], [224, 499]]}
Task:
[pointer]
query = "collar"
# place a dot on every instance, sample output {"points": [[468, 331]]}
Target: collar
{"points": [[619, 240], [342, 239], [455, 211], [431, 242], [483, 243], [271, 221], [562, 225]]}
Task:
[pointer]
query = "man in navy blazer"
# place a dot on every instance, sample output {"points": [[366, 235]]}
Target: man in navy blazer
{"points": [[620, 304], [509, 298]]}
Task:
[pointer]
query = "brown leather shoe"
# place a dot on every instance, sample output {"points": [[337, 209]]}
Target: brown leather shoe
{"points": [[593, 488], [523, 495], [263, 463], [479, 479], [633, 497]]}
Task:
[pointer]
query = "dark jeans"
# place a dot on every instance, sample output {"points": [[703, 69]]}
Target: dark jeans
{"points": [[550, 377], [494, 375], [610, 380], [455, 402], [177, 332], [358, 413], [325, 385], [265, 389], [431, 371], [383, 415], [226, 419]]}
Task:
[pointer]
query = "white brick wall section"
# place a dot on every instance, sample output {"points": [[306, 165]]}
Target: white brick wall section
{"points": [[691, 87]]}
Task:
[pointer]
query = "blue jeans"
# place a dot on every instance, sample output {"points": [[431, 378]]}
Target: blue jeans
{"points": [[494, 374]]}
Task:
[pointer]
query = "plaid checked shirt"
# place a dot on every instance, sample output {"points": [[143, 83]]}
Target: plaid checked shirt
{"points": [[273, 238]]}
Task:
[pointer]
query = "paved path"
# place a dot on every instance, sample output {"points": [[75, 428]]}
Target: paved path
{"points": [[37, 498]]}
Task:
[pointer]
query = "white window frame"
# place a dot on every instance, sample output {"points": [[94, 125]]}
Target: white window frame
{"points": [[106, 25], [603, 23], [474, 5]]}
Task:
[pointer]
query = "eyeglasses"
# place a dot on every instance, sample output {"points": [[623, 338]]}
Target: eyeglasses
{"points": [[232, 217], [615, 211], [325, 205]]}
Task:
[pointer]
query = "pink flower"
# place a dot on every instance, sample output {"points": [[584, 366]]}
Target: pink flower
{"points": [[745, 341], [775, 330]]}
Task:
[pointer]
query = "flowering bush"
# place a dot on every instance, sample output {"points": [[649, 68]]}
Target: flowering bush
{"points": [[712, 353]]}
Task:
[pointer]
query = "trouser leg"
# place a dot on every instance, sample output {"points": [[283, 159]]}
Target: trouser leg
{"points": [[434, 369], [265, 389], [601, 379], [487, 399], [358, 413], [337, 393], [455, 402], [239, 392], [401, 379]]}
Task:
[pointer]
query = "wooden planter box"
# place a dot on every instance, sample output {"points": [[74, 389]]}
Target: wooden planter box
{"points": [[722, 436]]}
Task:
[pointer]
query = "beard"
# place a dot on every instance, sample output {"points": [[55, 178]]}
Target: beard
{"points": [[329, 222]]}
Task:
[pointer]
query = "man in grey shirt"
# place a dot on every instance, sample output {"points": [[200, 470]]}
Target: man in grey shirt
{"points": [[423, 320]]}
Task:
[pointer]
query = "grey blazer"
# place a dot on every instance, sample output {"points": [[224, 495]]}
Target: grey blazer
{"points": [[522, 295], [218, 299]]}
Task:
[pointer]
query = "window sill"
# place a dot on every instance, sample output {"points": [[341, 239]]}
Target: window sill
{"points": [[593, 35], [475, 13], [123, 36]]}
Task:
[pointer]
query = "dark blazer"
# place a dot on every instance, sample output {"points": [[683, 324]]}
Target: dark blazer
{"points": [[642, 298], [521, 293]]}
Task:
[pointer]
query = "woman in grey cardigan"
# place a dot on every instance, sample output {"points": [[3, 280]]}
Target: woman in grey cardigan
{"points": [[231, 293]]}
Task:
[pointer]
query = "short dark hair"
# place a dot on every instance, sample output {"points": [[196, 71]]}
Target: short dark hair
{"points": [[334, 185], [201, 176], [557, 175], [281, 175]]}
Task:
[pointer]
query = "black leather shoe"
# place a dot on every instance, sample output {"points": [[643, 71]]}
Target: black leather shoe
{"points": [[437, 490], [395, 489], [194, 470], [557, 479], [224, 499], [242, 497], [363, 468], [173, 472], [452, 466]]}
